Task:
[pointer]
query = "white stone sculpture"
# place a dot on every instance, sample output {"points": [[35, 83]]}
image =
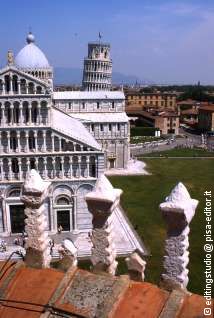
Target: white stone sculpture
{"points": [[178, 211], [101, 203], [68, 253], [34, 193], [136, 267]]}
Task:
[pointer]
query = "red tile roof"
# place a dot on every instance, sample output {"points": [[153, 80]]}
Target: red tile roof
{"points": [[28, 293], [209, 108]]}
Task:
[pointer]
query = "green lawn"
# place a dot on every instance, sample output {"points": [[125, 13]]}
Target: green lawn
{"points": [[180, 153], [142, 196]]}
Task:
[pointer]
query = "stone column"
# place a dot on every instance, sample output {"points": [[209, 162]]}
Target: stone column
{"points": [[39, 114], [28, 164], [9, 169], [12, 114], [3, 116], [20, 168], [79, 167], [21, 114], [54, 166], [27, 141], [30, 114], [8, 142], [52, 141], [48, 115], [87, 166], [19, 87], [36, 140], [10, 85], [34, 193], [36, 163], [177, 211], [1, 170], [3, 88], [44, 140], [62, 172], [45, 167], [18, 141], [71, 166], [102, 202]]}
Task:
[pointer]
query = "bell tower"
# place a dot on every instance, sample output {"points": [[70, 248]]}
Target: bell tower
{"points": [[97, 73]]}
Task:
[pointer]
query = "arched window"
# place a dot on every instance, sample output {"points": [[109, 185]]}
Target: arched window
{"points": [[92, 170], [14, 193], [31, 88], [7, 83], [38, 90], [15, 84], [32, 164], [15, 166], [63, 201]]}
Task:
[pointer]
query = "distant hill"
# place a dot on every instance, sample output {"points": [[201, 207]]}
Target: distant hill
{"points": [[68, 76]]}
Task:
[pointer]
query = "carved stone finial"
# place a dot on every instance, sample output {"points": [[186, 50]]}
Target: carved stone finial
{"points": [[68, 253], [178, 211], [34, 193], [10, 58], [136, 267], [101, 204]]}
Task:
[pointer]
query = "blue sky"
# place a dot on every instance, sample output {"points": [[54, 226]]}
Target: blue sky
{"points": [[164, 41]]}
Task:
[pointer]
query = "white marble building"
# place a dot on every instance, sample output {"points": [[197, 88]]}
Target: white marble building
{"points": [[68, 137], [34, 134], [102, 111]]}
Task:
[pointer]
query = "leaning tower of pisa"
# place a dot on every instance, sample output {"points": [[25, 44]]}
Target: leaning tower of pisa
{"points": [[97, 71]]}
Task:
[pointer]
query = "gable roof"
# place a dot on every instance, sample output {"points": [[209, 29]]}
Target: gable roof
{"points": [[26, 75], [69, 126]]}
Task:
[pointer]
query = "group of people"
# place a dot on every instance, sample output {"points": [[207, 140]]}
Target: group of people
{"points": [[3, 246]]}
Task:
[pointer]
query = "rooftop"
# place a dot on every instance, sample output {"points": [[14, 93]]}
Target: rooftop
{"points": [[31, 56], [73, 95], [209, 108], [73, 128], [32, 293]]}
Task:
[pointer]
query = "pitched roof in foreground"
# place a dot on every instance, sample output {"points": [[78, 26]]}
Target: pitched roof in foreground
{"points": [[33, 293], [73, 128]]}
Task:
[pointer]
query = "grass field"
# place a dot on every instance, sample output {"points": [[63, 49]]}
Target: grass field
{"points": [[142, 196], [181, 153]]}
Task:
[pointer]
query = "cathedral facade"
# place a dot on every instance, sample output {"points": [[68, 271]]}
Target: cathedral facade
{"points": [[70, 138]]}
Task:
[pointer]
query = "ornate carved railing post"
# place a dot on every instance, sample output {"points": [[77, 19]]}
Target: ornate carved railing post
{"points": [[34, 193], [178, 211], [101, 203]]}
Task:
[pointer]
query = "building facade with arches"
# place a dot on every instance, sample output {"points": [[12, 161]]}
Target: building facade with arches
{"points": [[36, 135], [70, 138]]}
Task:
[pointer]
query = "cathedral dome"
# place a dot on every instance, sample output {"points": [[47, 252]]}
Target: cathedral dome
{"points": [[31, 57]]}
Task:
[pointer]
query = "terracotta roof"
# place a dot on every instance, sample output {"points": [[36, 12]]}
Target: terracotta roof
{"points": [[209, 108], [187, 102], [190, 112], [27, 292]]}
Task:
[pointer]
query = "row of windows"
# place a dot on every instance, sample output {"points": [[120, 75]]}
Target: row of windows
{"points": [[150, 97], [156, 103], [101, 127], [83, 105]]}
